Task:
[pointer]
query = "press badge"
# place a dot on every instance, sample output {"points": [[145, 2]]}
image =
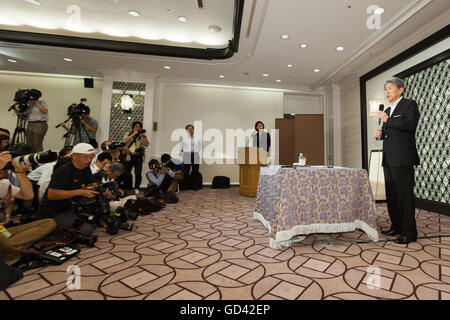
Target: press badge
{"points": [[5, 232]]}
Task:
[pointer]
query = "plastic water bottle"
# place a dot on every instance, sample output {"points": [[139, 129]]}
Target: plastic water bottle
{"points": [[301, 159]]}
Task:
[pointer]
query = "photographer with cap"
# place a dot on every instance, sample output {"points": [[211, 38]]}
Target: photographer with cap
{"points": [[70, 181], [87, 130], [136, 141], [13, 239]]}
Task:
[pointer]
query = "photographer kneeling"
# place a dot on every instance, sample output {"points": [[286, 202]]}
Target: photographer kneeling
{"points": [[162, 177], [70, 181], [177, 167], [13, 239]]}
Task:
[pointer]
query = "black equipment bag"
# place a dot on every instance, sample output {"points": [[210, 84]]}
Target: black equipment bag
{"points": [[145, 206], [193, 181], [220, 182], [169, 197], [8, 275], [53, 249]]}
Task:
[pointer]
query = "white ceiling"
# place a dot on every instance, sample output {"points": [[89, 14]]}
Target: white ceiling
{"points": [[322, 24]]}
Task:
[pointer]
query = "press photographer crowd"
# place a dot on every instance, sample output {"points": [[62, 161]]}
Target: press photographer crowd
{"points": [[53, 202]]}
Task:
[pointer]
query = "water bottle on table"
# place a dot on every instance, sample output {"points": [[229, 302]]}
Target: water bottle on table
{"points": [[301, 159]]}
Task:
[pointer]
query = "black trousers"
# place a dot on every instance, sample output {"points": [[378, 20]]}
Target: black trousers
{"points": [[400, 199], [136, 162], [187, 167]]}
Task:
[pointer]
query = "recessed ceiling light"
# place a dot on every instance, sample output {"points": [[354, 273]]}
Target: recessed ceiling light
{"points": [[11, 60], [134, 13], [379, 11], [285, 36], [316, 70], [221, 76], [35, 2], [67, 59], [215, 29], [182, 19], [304, 45], [265, 75], [340, 48], [278, 80], [167, 67], [289, 65], [168, 11]]}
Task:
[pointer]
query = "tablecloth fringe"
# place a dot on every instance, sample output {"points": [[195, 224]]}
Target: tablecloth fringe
{"points": [[285, 238]]}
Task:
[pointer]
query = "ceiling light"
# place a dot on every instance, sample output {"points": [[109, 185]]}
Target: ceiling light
{"points": [[265, 75], [134, 13], [378, 11], [340, 48], [304, 45], [215, 29], [168, 11], [289, 65], [68, 59], [182, 19], [167, 67], [35, 2], [316, 70], [11, 60], [285, 36], [278, 80], [221, 76]]}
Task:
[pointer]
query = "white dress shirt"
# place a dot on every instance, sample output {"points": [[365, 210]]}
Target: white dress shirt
{"points": [[394, 105], [191, 143]]}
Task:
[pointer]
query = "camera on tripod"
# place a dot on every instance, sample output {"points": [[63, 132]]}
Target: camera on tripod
{"points": [[75, 111], [113, 145], [23, 97], [33, 159]]}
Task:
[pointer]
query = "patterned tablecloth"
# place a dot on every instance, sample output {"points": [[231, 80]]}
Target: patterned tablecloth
{"points": [[294, 202]]}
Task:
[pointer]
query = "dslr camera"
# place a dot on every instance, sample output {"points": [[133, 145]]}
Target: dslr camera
{"points": [[23, 97]]}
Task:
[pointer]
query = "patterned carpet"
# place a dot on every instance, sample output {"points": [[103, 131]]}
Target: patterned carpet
{"points": [[208, 246]]}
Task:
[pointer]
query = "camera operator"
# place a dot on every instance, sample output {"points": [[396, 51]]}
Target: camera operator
{"points": [[37, 116], [162, 177], [70, 181], [177, 167], [12, 240], [136, 141], [87, 129]]}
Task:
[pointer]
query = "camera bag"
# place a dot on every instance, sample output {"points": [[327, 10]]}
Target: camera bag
{"points": [[8, 275], [220, 182]]}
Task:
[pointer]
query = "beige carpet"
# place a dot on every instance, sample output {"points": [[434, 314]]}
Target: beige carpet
{"points": [[208, 246]]}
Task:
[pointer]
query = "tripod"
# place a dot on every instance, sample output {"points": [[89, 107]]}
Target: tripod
{"points": [[19, 133], [75, 126]]}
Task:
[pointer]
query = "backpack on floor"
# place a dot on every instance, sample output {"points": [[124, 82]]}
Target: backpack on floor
{"points": [[193, 181], [8, 275], [220, 182], [169, 197], [145, 206]]}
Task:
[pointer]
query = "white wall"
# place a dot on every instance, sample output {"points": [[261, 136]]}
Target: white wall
{"points": [[375, 87], [58, 91], [302, 104]]}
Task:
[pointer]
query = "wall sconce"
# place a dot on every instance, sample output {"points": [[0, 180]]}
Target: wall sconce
{"points": [[374, 106], [127, 103]]}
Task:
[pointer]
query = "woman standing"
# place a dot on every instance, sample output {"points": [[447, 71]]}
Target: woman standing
{"points": [[261, 138]]}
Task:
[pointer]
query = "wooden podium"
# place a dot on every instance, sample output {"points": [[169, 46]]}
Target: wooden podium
{"points": [[250, 160]]}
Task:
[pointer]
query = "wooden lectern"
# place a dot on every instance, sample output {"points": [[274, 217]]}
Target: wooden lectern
{"points": [[250, 160]]}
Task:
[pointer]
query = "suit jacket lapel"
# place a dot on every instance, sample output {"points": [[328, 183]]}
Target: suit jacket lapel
{"points": [[399, 106]]}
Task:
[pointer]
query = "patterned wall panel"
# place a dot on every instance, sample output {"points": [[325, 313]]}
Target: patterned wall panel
{"points": [[121, 121], [431, 89]]}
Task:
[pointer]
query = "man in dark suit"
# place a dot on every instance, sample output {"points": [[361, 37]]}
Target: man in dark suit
{"points": [[399, 158]]}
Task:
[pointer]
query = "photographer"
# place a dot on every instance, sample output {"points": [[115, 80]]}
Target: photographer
{"points": [[70, 181], [37, 116], [102, 162], [12, 240], [4, 141], [86, 131], [136, 141], [119, 153], [162, 177], [177, 167]]}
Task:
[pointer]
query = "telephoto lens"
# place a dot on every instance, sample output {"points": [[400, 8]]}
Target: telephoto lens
{"points": [[36, 158]]}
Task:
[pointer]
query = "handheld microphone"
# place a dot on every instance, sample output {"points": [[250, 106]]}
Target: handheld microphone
{"points": [[380, 108]]}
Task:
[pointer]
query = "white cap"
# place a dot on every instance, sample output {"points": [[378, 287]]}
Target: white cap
{"points": [[85, 148]]}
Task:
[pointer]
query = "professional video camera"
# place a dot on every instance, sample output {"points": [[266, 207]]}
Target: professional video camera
{"points": [[22, 97], [33, 159], [75, 111], [97, 211]]}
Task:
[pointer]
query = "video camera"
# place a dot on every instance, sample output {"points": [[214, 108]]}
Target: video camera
{"points": [[32, 159], [75, 111], [97, 211], [22, 97]]}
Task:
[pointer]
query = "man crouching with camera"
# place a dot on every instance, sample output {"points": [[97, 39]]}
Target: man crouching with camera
{"points": [[70, 181], [13, 239]]}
